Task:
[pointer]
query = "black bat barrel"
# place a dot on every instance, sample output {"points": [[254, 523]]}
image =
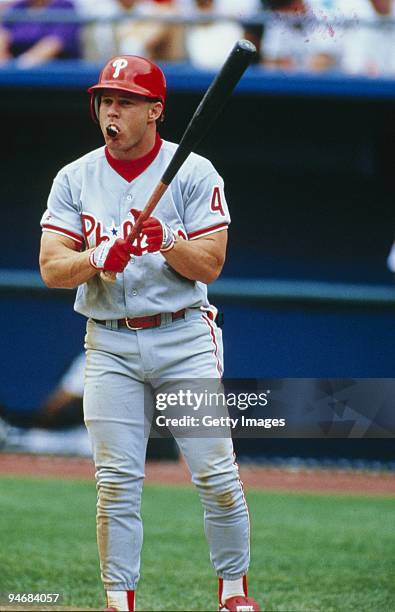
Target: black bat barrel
{"points": [[211, 104]]}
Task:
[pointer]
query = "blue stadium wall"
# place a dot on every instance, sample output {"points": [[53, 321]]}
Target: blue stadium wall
{"points": [[309, 181]]}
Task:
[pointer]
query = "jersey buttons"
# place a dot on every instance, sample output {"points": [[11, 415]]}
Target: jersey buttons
{"points": [[129, 197], [134, 292]]}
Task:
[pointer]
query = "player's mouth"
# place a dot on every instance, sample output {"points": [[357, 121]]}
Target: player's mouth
{"points": [[112, 130]]}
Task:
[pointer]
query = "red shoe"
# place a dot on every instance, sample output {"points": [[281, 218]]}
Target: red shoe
{"points": [[240, 604]]}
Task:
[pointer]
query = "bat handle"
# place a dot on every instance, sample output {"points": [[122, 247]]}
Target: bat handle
{"points": [[111, 277], [107, 276]]}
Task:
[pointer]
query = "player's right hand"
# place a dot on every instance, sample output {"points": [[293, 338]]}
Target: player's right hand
{"points": [[111, 256]]}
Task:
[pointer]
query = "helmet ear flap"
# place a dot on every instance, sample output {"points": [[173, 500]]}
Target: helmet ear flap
{"points": [[95, 106]]}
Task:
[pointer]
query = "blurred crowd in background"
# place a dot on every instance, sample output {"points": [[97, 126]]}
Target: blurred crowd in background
{"points": [[351, 36]]}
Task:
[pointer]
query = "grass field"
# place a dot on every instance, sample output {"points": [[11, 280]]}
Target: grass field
{"points": [[309, 552]]}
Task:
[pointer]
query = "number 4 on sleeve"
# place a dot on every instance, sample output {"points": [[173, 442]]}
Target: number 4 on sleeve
{"points": [[216, 201]]}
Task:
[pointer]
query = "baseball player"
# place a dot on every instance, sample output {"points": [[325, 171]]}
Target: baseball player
{"points": [[153, 324]]}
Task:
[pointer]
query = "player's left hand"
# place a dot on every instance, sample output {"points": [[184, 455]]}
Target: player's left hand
{"points": [[111, 255], [158, 235]]}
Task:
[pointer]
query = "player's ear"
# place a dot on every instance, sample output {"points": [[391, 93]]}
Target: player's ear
{"points": [[155, 111]]}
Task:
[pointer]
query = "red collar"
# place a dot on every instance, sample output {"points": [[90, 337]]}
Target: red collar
{"points": [[131, 168]]}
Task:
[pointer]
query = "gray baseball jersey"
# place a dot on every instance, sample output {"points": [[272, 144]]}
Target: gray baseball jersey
{"points": [[90, 202]]}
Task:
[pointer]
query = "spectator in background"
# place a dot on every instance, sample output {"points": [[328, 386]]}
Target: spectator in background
{"points": [[160, 41], [33, 43], [252, 31], [208, 44], [99, 39], [232, 8], [129, 35], [243, 10], [368, 49], [303, 46]]}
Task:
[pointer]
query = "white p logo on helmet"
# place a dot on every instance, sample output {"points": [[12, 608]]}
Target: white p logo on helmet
{"points": [[119, 64]]}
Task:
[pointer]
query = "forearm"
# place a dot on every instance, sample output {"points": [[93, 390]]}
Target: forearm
{"points": [[66, 269], [46, 49], [195, 260]]}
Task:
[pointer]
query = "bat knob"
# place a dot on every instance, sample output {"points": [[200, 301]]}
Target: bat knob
{"points": [[107, 276]]}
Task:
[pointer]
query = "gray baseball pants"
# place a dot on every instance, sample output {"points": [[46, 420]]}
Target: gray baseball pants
{"points": [[119, 364]]}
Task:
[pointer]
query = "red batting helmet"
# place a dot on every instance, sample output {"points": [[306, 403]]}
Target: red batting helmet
{"points": [[132, 74]]}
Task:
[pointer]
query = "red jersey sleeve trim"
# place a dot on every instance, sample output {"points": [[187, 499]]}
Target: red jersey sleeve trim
{"points": [[207, 231], [63, 232]]}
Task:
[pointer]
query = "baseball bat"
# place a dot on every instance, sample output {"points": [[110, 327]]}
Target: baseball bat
{"points": [[208, 110]]}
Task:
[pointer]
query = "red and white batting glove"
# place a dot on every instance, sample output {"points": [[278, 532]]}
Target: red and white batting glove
{"points": [[112, 256], [158, 235]]}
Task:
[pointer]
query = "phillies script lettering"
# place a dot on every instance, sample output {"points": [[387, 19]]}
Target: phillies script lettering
{"points": [[95, 232]]}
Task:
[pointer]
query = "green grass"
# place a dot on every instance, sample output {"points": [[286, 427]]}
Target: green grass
{"points": [[309, 552]]}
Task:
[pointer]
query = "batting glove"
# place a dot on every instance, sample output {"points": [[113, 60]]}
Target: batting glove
{"points": [[158, 235], [112, 256]]}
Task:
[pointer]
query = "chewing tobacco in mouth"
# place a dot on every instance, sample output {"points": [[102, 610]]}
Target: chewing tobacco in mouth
{"points": [[112, 131]]}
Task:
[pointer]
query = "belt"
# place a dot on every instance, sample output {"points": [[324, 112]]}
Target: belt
{"points": [[143, 322]]}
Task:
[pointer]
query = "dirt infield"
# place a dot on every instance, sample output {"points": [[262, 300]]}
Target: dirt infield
{"points": [[265, 478]]}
